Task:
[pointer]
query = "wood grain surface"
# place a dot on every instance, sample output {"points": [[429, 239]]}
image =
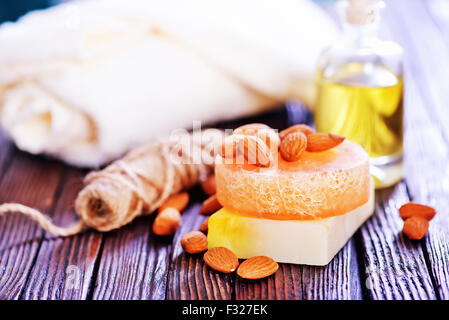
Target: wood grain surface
{"points": [[132, 263]]}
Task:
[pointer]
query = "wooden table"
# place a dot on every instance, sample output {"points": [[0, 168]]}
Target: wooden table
{"points": [[132, 263]]}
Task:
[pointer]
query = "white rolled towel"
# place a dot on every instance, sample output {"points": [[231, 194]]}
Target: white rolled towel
{"points": [[88, 80]]}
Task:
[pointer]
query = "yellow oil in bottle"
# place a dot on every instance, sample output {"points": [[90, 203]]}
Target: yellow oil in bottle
{"points": [[364, 103]]}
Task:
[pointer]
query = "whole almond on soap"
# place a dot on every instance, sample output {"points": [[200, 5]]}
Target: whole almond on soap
{"points": [[413, 209], [303, 128], [229, 146], [194, 242], [266, 134], [293, 146], [255, 151], [221, 259], [250, 128], [317, 142], [167, 222]]}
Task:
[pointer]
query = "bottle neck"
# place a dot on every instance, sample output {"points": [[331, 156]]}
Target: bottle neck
{"points": [[360, 23], [359, 34]]}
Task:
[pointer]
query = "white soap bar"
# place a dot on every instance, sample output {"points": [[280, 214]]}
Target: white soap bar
{"points": [[313, 242]]}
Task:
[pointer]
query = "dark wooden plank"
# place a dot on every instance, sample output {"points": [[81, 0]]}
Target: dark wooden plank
{"points": [[427, 134], [340, 280], [34, 182], [64, 266], [190, 277], [6, 150], [133, 264], [395, 267]]}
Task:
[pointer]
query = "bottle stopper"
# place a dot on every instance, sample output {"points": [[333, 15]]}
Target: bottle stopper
{"points": [[360, 12]]}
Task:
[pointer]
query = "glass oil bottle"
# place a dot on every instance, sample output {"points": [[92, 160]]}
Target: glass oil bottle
{"points": [[360, 90]]}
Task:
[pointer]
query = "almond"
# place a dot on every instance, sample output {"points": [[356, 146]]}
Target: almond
{"points": [[415, 227], [255, 151], [194, 242], [296, 128], [229, 147], [250, 129], [412, 209], [209, 186], [257, 267], [178, 201], [210, 205], [317, 142], [263, 132], [221, 259], [293, 146], [270, 137], [205, 226], [167, 222]]}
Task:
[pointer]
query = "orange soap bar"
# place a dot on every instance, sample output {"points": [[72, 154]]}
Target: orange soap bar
{"points": [[319, 185]]}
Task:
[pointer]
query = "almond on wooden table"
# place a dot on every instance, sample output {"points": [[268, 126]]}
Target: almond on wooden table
{"points": [[167, 222], [209, 186], [257, 267], [317, 142], [194, 242], [178, 201], [210, 205], [205, 226], [413, 209], [296, 128], [293, 146], [415, 227], [221, 259]]}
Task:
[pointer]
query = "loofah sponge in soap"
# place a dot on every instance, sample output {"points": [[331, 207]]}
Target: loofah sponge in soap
{"points": [[320, 185]]}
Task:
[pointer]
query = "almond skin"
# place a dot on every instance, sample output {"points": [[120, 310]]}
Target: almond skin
{"points": [[270, 137], [296, 128], [209, 186], [413, 209], [221, 259], [194, 242], [255, 151], [317, 142], [415, 227], [263, 132], [257, 267], [167, 222], [205, 226], [293, 146], [229, 147], [178, 201], [250, 129], [210, 205]]}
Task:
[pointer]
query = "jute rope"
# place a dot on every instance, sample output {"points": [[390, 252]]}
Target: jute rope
{"points": [[136, 184]]}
